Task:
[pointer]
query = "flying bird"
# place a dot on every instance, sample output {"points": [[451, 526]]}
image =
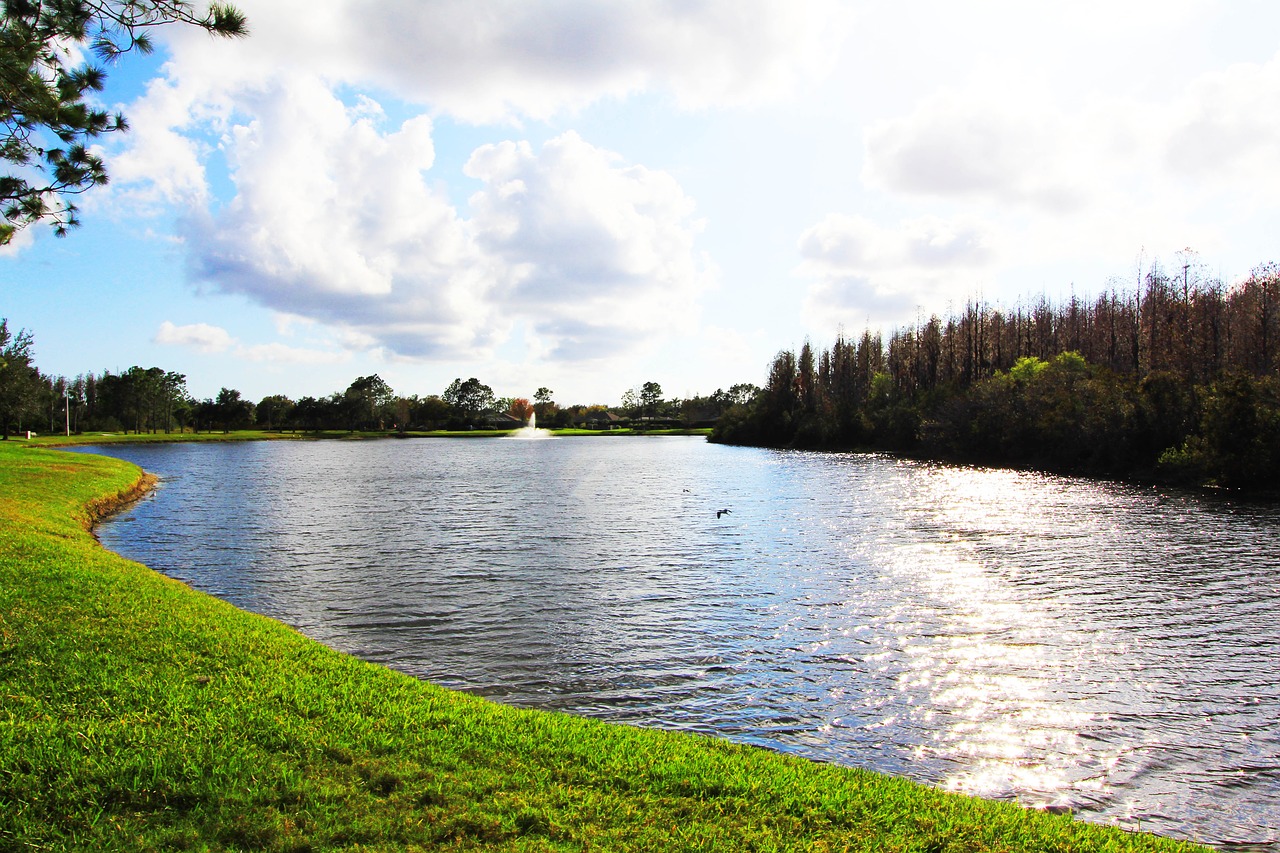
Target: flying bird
{"points": [[721, 512]]}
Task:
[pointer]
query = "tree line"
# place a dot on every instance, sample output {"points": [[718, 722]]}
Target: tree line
{"points": [[154, 400], [1174, 377]]}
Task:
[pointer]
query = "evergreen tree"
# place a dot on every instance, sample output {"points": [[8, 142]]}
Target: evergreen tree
{"points": [[19, 379], [49, 124]]}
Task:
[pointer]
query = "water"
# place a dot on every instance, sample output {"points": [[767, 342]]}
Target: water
{"points": [[1060, 642]]}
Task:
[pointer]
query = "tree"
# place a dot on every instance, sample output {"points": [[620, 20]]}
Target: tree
{"points": [[19, 379], [520, 408], [630, 403], [431, 412], [368, 402], [650, 397], [469, 398], [544, 404], [230, 411], [273, 411], [48, 123]]}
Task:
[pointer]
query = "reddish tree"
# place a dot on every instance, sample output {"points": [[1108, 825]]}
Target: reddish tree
{"points": [[520, 408]]}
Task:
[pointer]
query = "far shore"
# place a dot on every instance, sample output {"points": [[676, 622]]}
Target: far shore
{"points": [[96, 438]]}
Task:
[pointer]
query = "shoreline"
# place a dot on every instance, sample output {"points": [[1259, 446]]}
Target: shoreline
{"points": [[273, 741]]}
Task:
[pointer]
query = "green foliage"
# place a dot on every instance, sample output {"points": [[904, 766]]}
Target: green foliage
{"points": [[1238, 440], [1026, 369], [273, 411], [19, 379], [138, 714], [650, 397], [1176, 381], [368, 403], [49, 124], [469, 398], [140, 399]]}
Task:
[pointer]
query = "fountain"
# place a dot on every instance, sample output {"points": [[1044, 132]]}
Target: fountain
{"points": [[531, 431]]}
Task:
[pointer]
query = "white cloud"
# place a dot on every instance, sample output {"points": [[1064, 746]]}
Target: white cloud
{"points": [[841, 243], [864, 273], [324, 212], [162, 164], [209, 339], [1004, 147], [490, 60], [597, 254], [1227, 128], [333, 220], [477, 60], [199, 336], [1006, 142], [22, 239], [276, 353]]}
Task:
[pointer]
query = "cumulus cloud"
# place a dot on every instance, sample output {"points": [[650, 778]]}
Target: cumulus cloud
{"points": [[198, 336], [490, 60], [841, 243], [277, 353], [333, 220], [862, 272], [1226, 126], [1007, 144], [595, 253], [325, 210], [1007, 150], [206, 338]]}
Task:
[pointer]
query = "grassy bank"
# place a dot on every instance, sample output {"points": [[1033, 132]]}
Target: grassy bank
{"points": [[137, 714], [95, 438]]}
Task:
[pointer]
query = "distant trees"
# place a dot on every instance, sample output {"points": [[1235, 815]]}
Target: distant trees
{"points": [[1178, 377], [544, 404], [230, 412], [469, 398], [19, 379], [520, 408], [140, 399], [275, 410], [151, 399], [368, 403], [650, 397]]}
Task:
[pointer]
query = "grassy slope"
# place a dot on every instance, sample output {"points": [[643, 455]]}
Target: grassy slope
{"points": [[136, 713]]}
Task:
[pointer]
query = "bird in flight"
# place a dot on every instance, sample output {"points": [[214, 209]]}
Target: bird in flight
{"points": [[721, 512]]}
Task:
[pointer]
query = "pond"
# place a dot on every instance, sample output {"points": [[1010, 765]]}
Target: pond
{"points": [[1067, 643]]}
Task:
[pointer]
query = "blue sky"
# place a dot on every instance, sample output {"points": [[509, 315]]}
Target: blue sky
{"points": [[592, 195]]}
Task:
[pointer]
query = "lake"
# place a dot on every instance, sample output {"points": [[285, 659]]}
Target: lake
{"points": [[1067, 643]]}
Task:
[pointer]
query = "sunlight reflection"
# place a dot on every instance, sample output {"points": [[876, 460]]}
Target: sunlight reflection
{"points": [[986, 674]]}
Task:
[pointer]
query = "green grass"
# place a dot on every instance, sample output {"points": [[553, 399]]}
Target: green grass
{"points": [[95, 438], [138, 714]]}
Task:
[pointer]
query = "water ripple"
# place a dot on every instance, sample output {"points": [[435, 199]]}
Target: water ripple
{"points": [[1060, 642]]}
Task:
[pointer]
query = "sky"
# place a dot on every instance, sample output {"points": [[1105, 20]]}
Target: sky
{"points": [[588, 195]]}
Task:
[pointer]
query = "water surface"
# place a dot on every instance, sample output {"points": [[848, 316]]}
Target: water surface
{"points": [[1061, 642]]}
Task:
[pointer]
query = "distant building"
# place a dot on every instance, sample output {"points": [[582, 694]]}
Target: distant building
{"points": [[502, 420], [601, 420]]}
